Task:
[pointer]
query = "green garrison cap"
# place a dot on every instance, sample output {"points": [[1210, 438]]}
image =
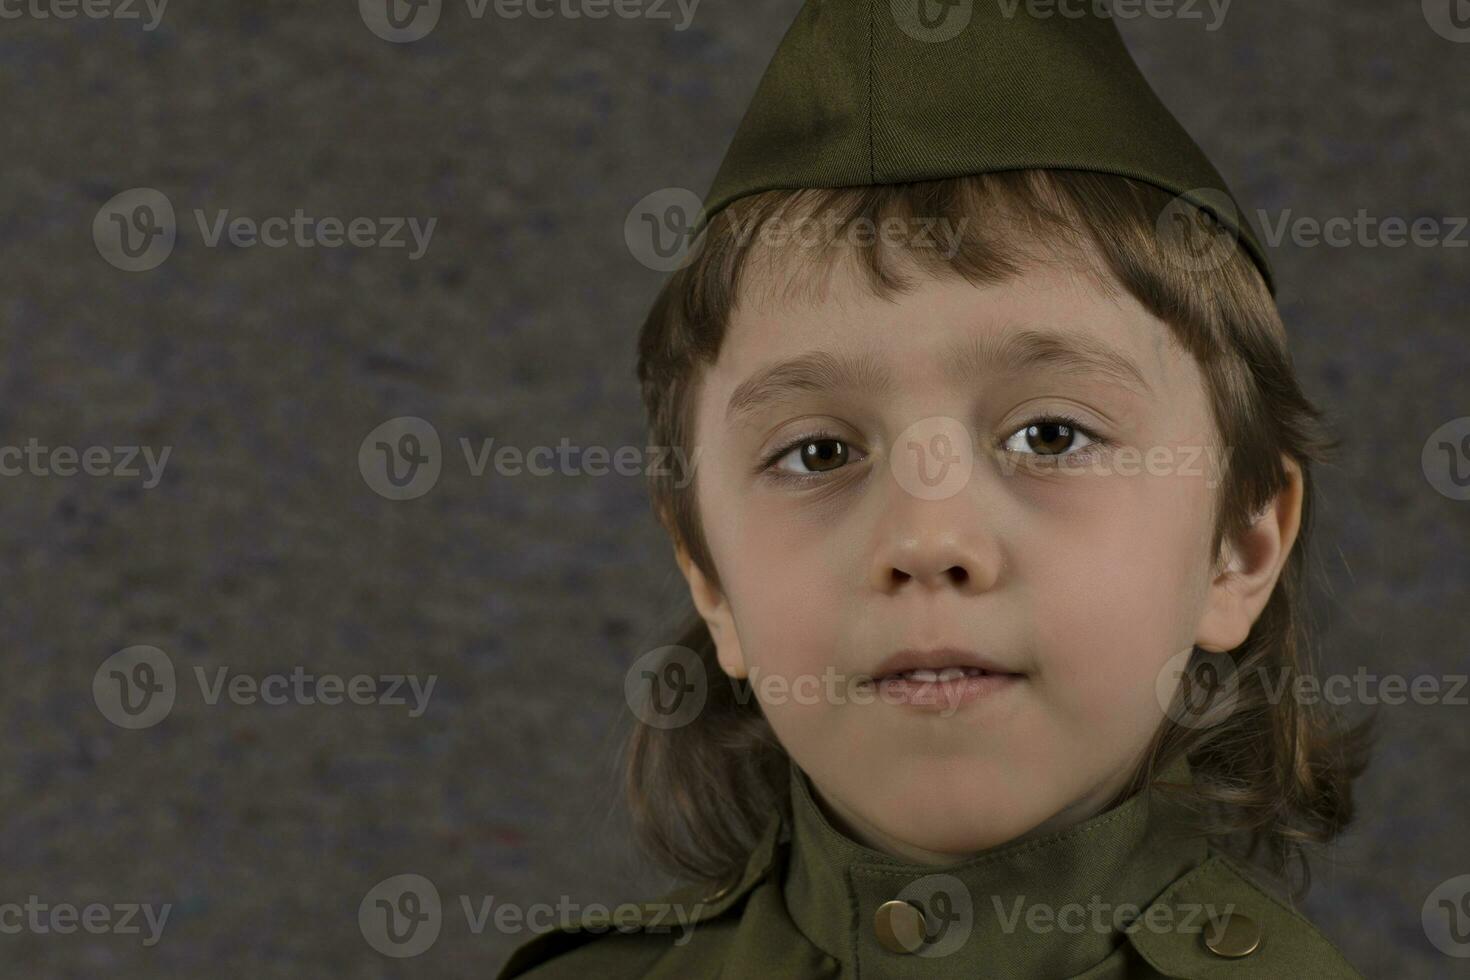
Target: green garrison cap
{"points": [[864, 92]]}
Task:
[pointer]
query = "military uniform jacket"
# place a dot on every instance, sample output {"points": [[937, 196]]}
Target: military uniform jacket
{"points": [[1127, 894]]}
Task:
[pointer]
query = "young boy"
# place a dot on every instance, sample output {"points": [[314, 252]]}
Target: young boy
{"points": [[996, 542]]}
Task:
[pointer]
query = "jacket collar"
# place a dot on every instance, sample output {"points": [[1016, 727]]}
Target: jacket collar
{"points": [[1053, 906]]}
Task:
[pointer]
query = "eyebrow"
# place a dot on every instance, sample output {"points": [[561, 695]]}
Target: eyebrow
{"points": [[966, 361]]}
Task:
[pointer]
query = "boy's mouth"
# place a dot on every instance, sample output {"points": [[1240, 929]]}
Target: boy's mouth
{"points": [[937, 665], [924, 674]]}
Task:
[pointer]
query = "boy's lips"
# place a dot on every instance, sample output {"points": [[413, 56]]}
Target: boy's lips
{"points": [[934, 661]]}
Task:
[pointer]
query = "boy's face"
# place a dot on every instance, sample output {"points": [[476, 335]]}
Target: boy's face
{"points": [[1083, 578]]}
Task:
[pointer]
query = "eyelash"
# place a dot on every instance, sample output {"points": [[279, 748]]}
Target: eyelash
{"points": [[768, 465]]}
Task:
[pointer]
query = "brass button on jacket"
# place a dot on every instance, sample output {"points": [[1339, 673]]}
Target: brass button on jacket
{"points": [[1124, 895], [899, 926], [1237, 935]]}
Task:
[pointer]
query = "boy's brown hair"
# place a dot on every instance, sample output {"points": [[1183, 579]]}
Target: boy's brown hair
{"points": [[1275, 773]]}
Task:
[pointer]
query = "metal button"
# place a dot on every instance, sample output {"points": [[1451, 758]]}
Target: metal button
{"points": [[1235, 936], [899, 926]]}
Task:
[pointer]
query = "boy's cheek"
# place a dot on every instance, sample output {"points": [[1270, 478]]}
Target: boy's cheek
{"points": [[789, 630], [1099, 659]]}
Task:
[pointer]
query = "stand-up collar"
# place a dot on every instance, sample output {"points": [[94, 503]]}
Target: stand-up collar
{"points": [[1053, 906]]}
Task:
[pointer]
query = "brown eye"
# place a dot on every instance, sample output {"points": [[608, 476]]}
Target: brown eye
{"points": [[819, 455], [1048, 437], [811, 455]]}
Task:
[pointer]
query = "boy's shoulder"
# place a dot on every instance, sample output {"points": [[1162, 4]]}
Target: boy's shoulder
{"points": [[1214, 922]]}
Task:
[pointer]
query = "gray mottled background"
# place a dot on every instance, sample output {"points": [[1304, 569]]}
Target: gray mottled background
{"points": [[263, 547]]}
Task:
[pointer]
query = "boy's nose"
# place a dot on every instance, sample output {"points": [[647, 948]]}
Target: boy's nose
{"points": [[929, 536], [937, 558]]}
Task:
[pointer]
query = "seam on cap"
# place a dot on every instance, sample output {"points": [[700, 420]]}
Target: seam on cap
{"points": [[872, 167]]}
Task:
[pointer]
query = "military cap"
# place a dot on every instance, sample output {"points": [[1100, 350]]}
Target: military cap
{"points": [[868, 92]]}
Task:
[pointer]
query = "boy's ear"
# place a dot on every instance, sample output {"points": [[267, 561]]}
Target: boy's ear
{"points": [[715, 611], [1250, 568]]}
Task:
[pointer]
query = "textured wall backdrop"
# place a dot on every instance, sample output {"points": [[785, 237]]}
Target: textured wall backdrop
{"points": [[262, 548]]}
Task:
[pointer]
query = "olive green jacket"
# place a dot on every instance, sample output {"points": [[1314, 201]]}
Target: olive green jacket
{"points": [[1125, 894]]}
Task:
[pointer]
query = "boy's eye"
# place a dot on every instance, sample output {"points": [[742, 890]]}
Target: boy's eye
{"points": [[812, 454], [1049, 436]]}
